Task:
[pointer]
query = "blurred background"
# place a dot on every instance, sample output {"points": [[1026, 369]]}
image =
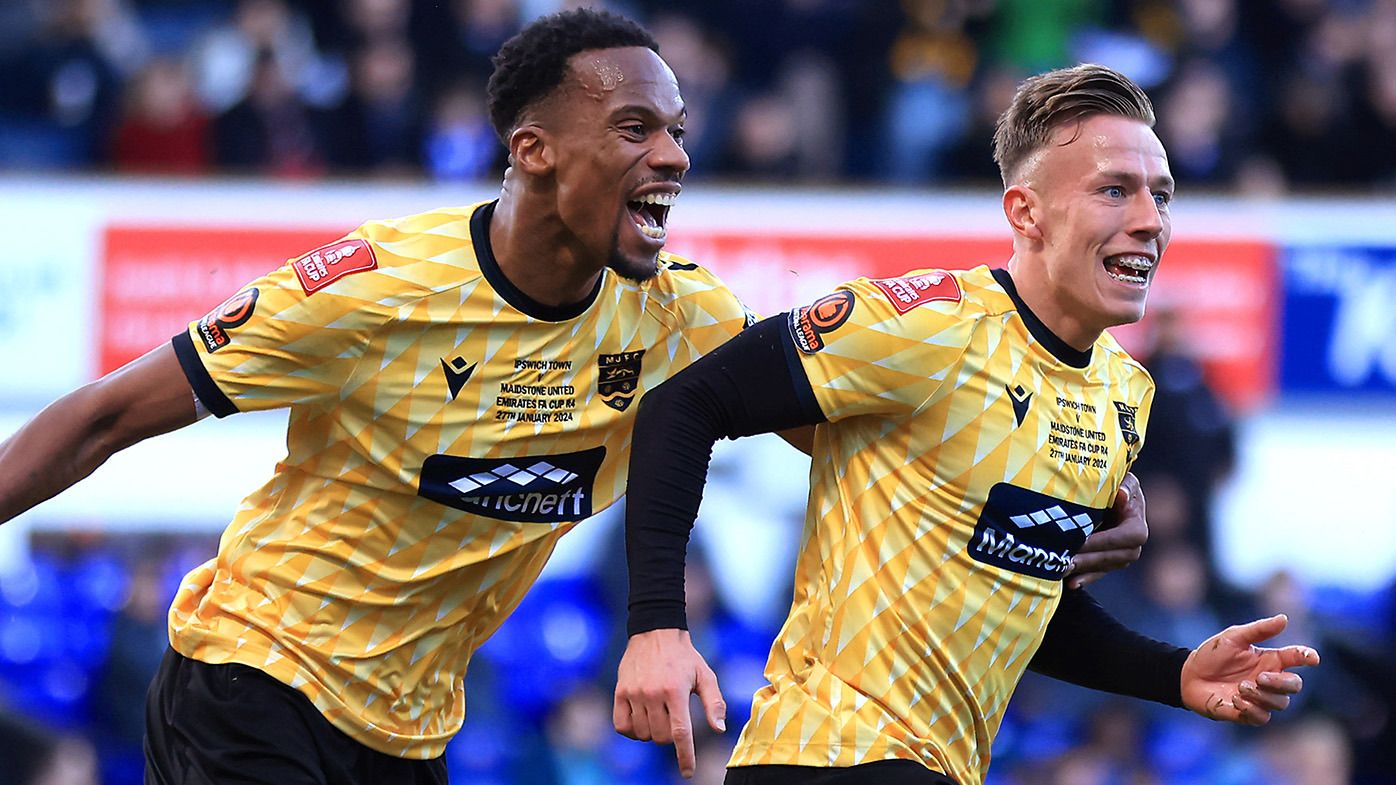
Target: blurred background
{"points": [[157, 154]]}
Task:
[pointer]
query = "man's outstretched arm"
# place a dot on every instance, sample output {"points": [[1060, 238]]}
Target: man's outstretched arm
{"points": [[747, 386], [1228, 677], [74, 435]]}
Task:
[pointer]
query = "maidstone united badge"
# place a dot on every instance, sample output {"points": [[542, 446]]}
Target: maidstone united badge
{"points": [[1127, 424], [619, 378]]}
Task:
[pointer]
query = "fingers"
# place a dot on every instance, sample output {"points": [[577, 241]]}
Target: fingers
{"points": [[1129, 499], [1258, 630], [1296, 656], [1089, 567], [1131, 484], [1249, 713], [622, 718], [681, 733], [1264, 699], [1101, 560], [1082, 581], [1282, 682], [641, 717], [661, 721], [714, 707]]}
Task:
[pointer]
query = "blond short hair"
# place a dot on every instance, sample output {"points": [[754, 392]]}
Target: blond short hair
{"points": [[1048, 101]]}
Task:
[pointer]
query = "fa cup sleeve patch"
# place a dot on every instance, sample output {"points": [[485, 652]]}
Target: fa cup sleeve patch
{"points": [[328, 263], [913, 290]]}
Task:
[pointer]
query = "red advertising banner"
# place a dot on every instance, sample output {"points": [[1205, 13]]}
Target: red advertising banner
{"points": [[155, 280], [1224, 293], [158, 279]]}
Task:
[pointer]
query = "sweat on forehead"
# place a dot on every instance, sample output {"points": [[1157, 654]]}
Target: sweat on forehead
{"points": [[605, 72]]}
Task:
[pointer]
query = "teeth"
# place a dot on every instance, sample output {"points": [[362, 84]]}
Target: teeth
{"points": [[1142, 264], [1134, 262], [663, 199], [1127, 278], [653, 232]]}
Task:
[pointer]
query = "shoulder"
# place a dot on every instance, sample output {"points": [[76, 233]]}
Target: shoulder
{"points": [[931, 296], [680, 277], [1121, 362], [399, 259], [920, 310], [441, 237], [681, 285]]}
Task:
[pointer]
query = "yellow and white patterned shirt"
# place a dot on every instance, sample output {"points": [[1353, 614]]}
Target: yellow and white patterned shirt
{"points": [[968, 454], [444, 432]]}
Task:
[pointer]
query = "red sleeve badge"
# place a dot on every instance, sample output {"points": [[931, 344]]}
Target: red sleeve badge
{"points": [[328, 263], [913, 290]]}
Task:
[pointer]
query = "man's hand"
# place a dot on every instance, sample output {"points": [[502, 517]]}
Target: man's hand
{"points": [[658, 672], [1117, 546], [1229, 678]]}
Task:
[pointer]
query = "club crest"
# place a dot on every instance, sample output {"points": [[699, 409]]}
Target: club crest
{"points": [[619, 378]]}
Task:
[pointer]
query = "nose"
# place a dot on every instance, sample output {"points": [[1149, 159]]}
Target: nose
{"points": [[1146, 217], [668, 155]]}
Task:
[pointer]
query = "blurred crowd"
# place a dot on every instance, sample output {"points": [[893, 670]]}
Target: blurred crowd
{"points": [[1261, 96]]}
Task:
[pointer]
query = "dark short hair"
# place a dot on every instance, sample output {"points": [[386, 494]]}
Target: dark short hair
{"points": [[533, 63], [1048, 101]]}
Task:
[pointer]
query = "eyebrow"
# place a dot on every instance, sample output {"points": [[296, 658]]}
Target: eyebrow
{"points": [[1165, 182], [648, 111]]}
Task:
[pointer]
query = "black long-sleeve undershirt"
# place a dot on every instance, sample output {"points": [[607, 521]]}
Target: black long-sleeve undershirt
{"points": [[756, 384]]}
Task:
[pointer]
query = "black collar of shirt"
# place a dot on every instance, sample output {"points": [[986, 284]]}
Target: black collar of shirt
{"points": [[1059, 349], [484, 253]]}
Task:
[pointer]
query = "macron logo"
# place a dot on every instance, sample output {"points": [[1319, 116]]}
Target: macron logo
{"points": [[540, 472], [1055, 515]]}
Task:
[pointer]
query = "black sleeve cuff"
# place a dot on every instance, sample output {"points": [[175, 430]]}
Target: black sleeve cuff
{"points": [[804, 391], [210, 396], [1084, 645]]}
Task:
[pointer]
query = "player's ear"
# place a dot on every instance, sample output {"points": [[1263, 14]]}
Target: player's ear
{"points": [[531, 150], [1021, 206]]}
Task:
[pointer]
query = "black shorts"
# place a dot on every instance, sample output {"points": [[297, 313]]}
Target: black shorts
{"points": [[883, 772], [235, 725]]}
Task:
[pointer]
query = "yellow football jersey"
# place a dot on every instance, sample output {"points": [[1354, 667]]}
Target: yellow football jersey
{"points": [[968, 454], [445, 430]]}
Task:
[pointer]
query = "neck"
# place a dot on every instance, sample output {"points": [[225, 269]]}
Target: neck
{"points": [[1039, 293], [537, 254]]}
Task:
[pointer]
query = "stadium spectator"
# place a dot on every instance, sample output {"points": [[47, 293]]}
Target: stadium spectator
{"points": [[929, 107], [460, 145], [886, 91], [64, 90], [163, 130], [1193, 449], [377, 129], [227, 60], [704, 70], [139, 638], [270, 132]]}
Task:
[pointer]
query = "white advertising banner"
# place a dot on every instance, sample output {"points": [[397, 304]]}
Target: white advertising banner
{"points": [[46, 298]]}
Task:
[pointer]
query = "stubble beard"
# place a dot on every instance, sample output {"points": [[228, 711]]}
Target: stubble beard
{"points": [[634, 270]]}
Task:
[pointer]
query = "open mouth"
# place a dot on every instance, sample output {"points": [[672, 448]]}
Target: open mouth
{"points": [[1129, 268], [651, 211]]}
